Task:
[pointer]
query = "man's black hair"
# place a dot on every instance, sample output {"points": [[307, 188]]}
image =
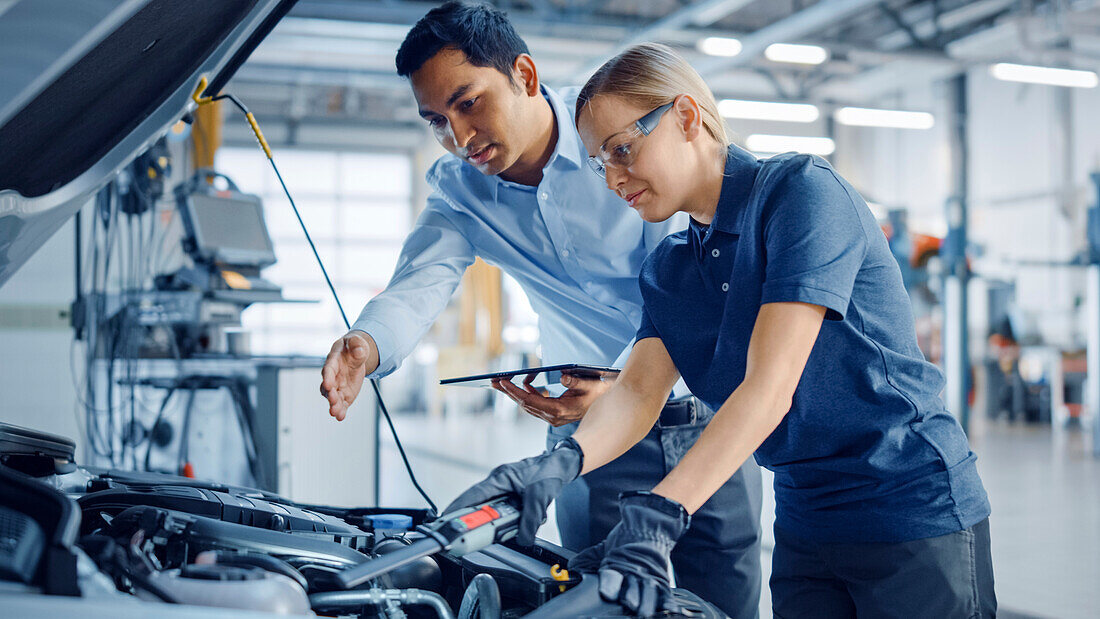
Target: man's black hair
{"points": [[481, 32]]}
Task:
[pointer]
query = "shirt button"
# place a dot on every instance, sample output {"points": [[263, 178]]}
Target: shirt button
{"points": [[544, 195], [565, 252], [715, 253], [725, 287]]}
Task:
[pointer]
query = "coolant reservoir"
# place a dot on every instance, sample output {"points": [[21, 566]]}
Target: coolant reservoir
{"points": [[390, 525], [247, 588]]}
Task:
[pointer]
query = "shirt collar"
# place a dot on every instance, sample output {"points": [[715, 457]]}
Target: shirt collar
{"points": [[699, 235], [567, 147], [740, 174], [569, 142]]}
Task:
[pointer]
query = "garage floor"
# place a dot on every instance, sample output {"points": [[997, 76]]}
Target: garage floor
{"points": [[1044, 487]]}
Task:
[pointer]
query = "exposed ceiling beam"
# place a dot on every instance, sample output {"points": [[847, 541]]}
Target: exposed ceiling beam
{"points": [[329, 135], [702, 13], [927, 28], [407, 13], [569, 40], [787, 30], [931, 64], [381, 81], [1000, 42]]}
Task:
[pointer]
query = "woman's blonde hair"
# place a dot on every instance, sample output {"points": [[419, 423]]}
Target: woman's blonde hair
{"points": [[650, 75]]}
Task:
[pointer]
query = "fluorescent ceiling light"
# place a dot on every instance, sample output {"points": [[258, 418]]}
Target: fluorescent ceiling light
{"points": [[1043, 75], [799, 54], [764, 110], [719, 46], [867, 117], [783, 143]]}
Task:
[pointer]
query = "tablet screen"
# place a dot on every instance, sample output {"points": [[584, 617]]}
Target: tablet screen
{"points": [[546, 375]]}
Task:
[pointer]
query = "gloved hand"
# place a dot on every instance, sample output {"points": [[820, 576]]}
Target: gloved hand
{"points": [[633, 560], [536, 480]]}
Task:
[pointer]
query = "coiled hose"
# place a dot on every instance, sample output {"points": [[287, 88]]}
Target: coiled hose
{"points": [[482, 599]]}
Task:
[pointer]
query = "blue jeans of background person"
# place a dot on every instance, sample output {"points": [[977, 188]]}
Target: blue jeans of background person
{"points": [[946, 576], [719, 556]]}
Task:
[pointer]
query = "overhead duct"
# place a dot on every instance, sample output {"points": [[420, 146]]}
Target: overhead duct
{"points": [[786, 30]]}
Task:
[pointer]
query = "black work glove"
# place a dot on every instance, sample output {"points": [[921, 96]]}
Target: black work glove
{"points": [[535, 480], [633, 560]]}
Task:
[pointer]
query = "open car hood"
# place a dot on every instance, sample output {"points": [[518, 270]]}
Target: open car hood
{"points": [[87, 86]]}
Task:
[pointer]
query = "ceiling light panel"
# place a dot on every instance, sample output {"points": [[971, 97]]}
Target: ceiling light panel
{"points": [[719, 46], [765, 110], [1051, 76], [895, 119], [797, 54]]}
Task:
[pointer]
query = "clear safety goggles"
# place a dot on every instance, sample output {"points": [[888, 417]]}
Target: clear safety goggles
{"points": [[621, 150]]}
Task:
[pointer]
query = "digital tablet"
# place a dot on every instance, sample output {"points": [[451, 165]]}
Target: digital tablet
{"points": [[550, 374]]}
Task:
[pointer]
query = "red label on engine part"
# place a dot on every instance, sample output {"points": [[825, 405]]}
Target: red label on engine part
{"points": [[473, 520]]}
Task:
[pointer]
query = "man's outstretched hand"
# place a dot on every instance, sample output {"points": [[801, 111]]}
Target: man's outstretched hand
{"points": [[352, 357]]}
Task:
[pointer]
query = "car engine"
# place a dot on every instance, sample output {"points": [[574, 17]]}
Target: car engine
{"points": [[68, 530]]}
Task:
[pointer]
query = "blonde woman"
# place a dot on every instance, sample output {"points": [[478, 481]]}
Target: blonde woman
{"points": [[782, 308]]}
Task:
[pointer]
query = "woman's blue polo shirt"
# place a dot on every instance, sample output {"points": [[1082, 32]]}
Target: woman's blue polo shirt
{"points": [[868, 451]]}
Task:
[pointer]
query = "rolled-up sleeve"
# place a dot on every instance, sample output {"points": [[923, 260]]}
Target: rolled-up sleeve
{"points": [[646, 328], [814, 239], [429, 269]]}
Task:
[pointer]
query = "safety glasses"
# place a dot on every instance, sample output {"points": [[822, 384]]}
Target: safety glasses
{"points": [[621, 150]]}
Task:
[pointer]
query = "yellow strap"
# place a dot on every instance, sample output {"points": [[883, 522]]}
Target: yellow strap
{"points": [[259, 134]]}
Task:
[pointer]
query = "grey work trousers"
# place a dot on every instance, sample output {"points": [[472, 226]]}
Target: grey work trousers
{"points": [[945, 577]]}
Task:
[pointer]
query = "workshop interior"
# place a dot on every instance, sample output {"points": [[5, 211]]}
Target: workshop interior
{"points": [[196, 197]]}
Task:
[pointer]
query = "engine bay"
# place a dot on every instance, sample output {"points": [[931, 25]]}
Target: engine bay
{"points": [[77, 531]]}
